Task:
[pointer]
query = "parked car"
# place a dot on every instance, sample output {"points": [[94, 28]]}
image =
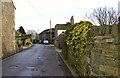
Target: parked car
{"points": [[45, 42]]}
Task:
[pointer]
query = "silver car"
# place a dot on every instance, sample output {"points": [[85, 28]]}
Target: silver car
{"points": [[45, 42]]}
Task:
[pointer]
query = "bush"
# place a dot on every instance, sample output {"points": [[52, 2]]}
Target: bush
{"points": [[18, 42], [28, 42]]}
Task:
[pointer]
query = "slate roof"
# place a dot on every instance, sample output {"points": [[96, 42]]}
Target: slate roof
{"points": [[62, 26]]}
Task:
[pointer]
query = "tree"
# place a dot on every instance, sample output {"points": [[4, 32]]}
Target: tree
{"points": [[33, 33], [104, 16], [21, 30]]}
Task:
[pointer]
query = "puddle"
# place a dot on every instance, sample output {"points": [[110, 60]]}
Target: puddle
{"points": [[37, 57], [31, 67], [13, 66]]}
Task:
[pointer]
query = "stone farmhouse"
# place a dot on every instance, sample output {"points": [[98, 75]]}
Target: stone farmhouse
{"points": [[7, 28]]}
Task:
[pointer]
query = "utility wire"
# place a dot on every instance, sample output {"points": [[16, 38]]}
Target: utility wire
{"points": [[35, 10]]}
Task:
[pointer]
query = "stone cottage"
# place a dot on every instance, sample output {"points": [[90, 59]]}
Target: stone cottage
{"points": [[7, 28]]}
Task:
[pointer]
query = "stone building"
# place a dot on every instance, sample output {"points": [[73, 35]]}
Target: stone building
{"points": [[45, 35], [61, 28], [7, 28], [17, 33]]}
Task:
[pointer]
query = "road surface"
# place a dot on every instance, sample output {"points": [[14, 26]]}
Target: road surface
{"points": [[40, 60]]}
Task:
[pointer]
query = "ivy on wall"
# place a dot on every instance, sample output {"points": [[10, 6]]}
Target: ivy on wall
{"points": [[77, 37]]}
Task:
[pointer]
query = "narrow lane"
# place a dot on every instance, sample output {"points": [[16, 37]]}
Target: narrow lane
{"points": [[40, 60]]}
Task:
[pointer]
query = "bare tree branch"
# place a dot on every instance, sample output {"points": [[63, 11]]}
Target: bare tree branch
{"points": [[104, 16]]}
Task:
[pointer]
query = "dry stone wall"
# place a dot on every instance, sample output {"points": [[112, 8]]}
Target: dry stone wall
{"points": [[103, 59], [102, 56]]}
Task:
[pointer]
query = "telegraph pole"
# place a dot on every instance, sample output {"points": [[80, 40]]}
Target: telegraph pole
{"points": [[50, 32]]}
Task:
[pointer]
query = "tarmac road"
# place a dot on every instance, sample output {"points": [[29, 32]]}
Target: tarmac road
{"points": [[40, 60]]}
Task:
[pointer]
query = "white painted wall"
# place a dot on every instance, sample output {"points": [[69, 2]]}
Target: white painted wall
{"points": [[60, 32]]}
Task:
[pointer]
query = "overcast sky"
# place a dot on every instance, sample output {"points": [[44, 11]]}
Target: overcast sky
{"points": [[36, 14]]}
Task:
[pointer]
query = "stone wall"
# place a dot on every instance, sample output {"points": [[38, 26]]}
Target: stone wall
{"points": [[0, 30], [102, 58], [102, 52], [104, 30], [8, 27]]}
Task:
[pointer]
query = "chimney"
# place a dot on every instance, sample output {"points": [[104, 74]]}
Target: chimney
{"points": [[72, 20]]}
